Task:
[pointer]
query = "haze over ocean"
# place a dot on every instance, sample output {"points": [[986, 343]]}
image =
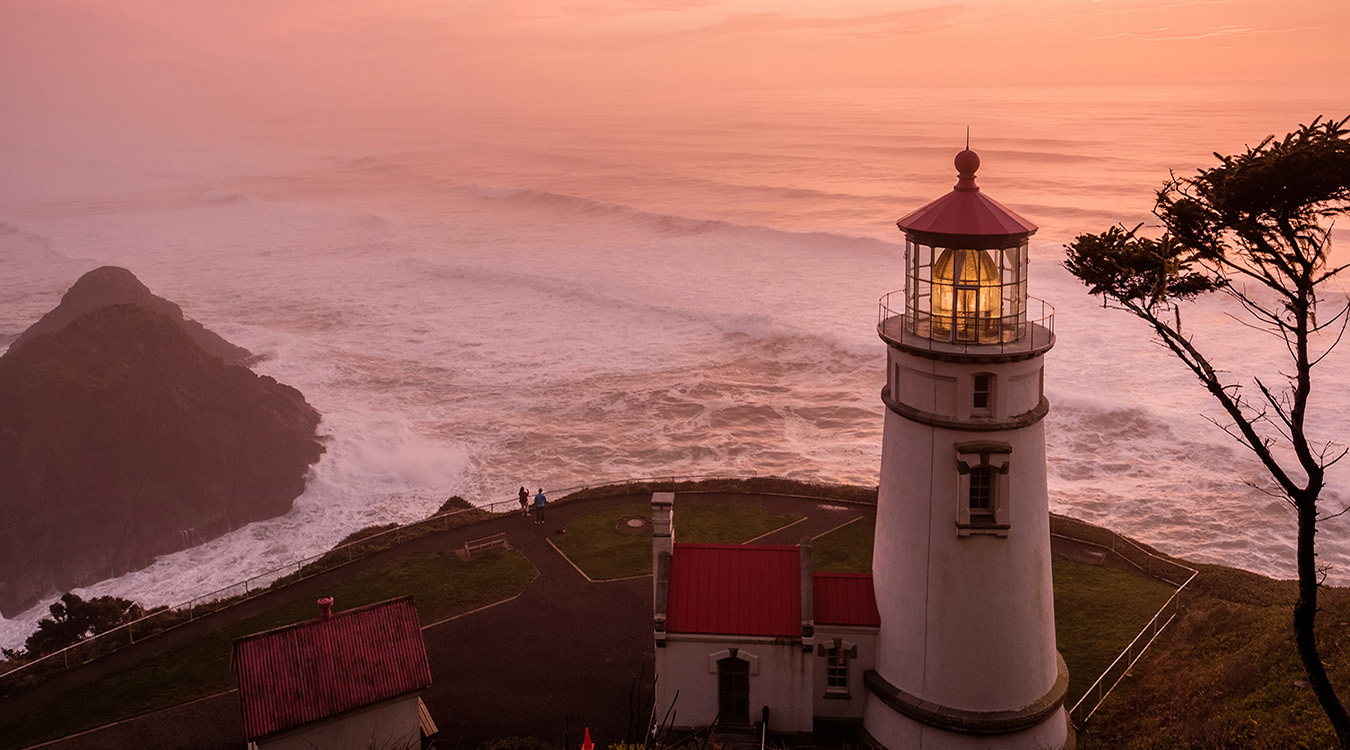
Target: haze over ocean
{"points": [[667, 284]]}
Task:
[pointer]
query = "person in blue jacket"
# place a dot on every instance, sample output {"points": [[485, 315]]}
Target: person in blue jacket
{"points": [[539, 502]]}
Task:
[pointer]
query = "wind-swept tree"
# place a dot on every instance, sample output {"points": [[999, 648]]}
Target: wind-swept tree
{"points": [[75, 619], [1257, 227]]}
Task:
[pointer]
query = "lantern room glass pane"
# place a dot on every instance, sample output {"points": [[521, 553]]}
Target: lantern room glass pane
{"points": [[918, 286], [967, 299], [966, 295]]}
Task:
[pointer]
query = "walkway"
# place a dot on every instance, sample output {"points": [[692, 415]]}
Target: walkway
{"points": [[566, 652]]}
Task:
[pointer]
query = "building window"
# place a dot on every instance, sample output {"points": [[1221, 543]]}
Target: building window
{"points": [[836, 671], [982, 393], [982, 469], [838, 653]]}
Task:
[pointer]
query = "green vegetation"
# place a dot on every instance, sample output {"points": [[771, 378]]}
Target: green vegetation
{"points": [[749, 486], [1227, 674], [441, 584], [1099, 609], [595, 543], [454, 513], [1257, 228], [72, 620], [847, 549], [1224, 675]]}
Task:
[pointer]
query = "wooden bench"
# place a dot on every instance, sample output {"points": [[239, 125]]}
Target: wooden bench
{"points": [[486, 543]]}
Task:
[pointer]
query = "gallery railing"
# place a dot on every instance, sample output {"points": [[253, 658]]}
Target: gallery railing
{"points": [[1030, 331]]}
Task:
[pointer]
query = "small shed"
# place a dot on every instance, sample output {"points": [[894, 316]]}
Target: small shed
{"points": [[346, 679]]}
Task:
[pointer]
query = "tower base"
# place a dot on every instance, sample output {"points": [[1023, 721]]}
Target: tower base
{"points": [[902, 733], [895, 719]]}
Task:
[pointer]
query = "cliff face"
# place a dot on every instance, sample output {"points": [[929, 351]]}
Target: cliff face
{"points": [[122, 439]]}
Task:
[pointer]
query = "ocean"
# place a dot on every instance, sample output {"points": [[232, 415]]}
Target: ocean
{"points": [[673, 284]]}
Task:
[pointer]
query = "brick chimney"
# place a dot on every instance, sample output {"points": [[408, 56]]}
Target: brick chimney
{"points": [[663, 544], [326, 608]]}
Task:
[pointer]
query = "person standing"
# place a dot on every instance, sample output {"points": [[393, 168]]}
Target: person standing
{"points": [[524, 501], [539, 502]]}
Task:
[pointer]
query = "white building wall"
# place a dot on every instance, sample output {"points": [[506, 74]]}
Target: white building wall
{"points": [[391, 725], [946, 388], [834, 707], [780, 678]]}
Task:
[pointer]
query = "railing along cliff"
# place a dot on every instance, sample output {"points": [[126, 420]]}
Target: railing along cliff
{"points": [[1158, 567], [162, 619]]}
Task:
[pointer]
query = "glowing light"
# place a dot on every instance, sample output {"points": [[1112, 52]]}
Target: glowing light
{"points": [[967, 296]]}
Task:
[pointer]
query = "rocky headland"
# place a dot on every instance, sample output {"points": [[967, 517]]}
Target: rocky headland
{"points": [[128, 431]]}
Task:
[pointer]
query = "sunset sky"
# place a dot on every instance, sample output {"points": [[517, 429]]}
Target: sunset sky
{"points": [[268, 53]]}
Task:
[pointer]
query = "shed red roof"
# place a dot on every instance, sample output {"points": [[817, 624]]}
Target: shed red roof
{"points": [[302, 673], [845, 599], [965, 215], [734, 589]]}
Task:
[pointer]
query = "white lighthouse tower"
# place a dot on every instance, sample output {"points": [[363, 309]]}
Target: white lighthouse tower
{"points": [[966, 654]]}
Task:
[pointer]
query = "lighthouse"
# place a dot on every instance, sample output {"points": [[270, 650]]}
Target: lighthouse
{"points": [[966, 654]]}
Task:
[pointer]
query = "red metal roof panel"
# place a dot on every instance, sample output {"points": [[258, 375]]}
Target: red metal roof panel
{"points": [[845, 599], [305, 672], [966, 213], [732, 589]]}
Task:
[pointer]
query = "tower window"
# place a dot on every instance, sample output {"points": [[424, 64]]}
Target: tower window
{"points": [[981, 493], [982, 473], [981, 392]]}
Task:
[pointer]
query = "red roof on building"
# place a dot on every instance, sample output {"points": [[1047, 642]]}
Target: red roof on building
{"points": [[965, 214], [734, 589], [845, 599], [302, 673]]}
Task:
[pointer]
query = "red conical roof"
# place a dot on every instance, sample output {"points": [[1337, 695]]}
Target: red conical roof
{"points": [[965, 216]]}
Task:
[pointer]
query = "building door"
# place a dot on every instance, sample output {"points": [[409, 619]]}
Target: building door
{"points": [[733, 690]]}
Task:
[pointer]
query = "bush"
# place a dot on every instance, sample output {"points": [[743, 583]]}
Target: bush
{"points": [[517, 743], [454, 503]]}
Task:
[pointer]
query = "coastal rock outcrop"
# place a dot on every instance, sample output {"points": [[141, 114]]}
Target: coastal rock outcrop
{"points": [[122, 437], [111, 285]]}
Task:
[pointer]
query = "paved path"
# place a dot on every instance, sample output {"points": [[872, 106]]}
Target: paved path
{"points": [[567, 652]]}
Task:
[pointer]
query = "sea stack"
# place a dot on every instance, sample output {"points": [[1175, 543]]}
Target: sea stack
{"points": [[128, 431]]}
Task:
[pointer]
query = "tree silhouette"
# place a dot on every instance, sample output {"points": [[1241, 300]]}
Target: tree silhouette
{"points": [[1257, 227], [74, 619]]}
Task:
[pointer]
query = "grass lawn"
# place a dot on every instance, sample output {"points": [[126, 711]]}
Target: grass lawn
{"points": [[442, 586], [1099, 609], [594, 543], [1226, 673], [847, 549]]}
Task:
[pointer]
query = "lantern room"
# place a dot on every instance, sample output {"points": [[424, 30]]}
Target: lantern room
{"points": [[966, 266]]}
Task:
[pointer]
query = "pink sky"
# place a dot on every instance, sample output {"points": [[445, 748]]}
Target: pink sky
{"points": [[65, 64], [521, 45]]}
